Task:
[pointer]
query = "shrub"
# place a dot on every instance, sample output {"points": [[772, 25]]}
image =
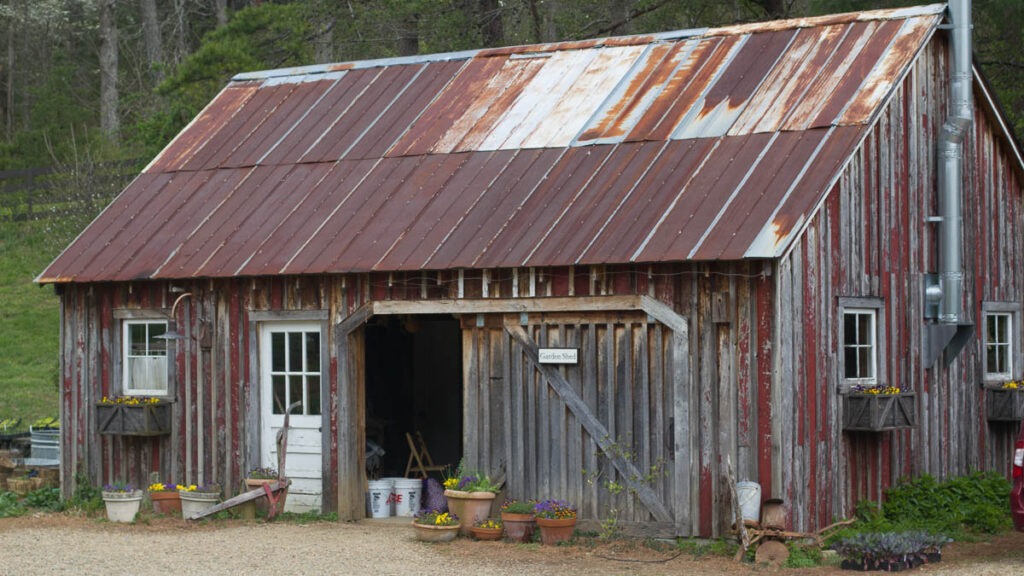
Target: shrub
{"points": [[972, 503]]}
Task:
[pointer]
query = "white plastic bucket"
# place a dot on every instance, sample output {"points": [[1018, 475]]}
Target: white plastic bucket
{"points": [[749, 496], [378, 500], [391, 497], [407, 496]]}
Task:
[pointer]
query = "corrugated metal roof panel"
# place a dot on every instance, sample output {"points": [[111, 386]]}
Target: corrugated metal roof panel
{"points": [[686, 145]]}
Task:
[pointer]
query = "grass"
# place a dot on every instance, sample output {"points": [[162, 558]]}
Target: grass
{"points": [[29, 316]]}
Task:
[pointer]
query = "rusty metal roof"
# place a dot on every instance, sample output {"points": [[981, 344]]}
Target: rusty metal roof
{"points": [[713, 144]]}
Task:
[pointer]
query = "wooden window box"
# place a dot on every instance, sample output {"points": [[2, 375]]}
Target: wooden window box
{"points": [[1004, 404], [879, 412], [134, 419]]}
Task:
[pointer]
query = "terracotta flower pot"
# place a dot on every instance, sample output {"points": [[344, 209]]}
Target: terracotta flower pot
{"points": [[262, 505], [469, 507], [555, 530], [167, 502], [486, 533], [518, 527], [428, 533]]}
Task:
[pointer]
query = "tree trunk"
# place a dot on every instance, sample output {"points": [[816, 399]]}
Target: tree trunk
{"points": [[109, 122], [181, 30], [153, 40], [409, 35], [221, 7], [492, 30]]}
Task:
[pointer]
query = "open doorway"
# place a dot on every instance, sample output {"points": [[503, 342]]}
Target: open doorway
{"points": [[413, 382]]}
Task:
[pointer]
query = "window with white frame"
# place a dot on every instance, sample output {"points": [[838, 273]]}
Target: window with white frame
{"points": [[999, 345], [145, 357], [862, 341], [860, 345]]}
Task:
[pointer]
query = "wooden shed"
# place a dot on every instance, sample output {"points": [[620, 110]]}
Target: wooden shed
{"points": [[623, 262]]}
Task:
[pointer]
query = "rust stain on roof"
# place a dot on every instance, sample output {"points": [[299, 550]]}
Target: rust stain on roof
{"points": [[680, 146]]}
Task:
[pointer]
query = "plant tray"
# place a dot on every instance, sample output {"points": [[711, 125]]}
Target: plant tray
{"points": [[879, 412], [134, 419], [1004, 404]]}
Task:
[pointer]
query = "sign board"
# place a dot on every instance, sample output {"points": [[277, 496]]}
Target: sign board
{"points": [[558, 355]]}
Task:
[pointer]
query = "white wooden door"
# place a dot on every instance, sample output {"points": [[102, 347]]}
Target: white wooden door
{"points": [[291, 371]]}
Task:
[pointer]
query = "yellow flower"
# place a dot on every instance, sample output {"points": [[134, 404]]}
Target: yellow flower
{"points": [[189, 488], [451, 483], [441, 520]]}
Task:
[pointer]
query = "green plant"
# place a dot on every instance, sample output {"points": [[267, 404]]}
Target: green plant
{"points": [[436, 518], [973, 503], [700, 548], [86, 498], [10, 506], [553, 508], [518, 506], [803, 556], [45, 499], [889, 550], [468, 480]]}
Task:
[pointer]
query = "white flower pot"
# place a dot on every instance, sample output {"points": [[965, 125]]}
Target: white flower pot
{"points": [[122, 506], [194, 504]]}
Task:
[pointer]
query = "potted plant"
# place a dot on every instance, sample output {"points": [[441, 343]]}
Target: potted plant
{"points": [[1005, 402], [197, 499], [470, 494], [878, 408], [488, 529], [259, 476], [165, 498], [133, 416], [122, 501], [436, 526], [517, 516], [889, 551], [556, 520]]}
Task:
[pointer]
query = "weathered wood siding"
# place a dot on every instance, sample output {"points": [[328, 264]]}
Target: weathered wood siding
{"points": [[871, 239], [631, 364]]}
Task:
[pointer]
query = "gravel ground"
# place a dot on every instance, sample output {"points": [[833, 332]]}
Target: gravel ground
{"points": [[58, 544]]}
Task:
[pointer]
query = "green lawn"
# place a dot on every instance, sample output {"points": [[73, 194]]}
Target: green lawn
{"points": [[30, 327]]}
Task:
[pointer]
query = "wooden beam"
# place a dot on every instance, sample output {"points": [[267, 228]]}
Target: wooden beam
{"points": [[507, 305], [594, 427]]}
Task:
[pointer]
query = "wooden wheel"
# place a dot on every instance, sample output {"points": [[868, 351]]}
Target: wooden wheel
{"points": [[771, 552]]}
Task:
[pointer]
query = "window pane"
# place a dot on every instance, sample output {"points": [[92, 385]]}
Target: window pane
{"points": [[313, 382], [312, 352], [864, 367], [295, 353], [277, 352], [137, 339], [863, 329], [157, 346], [295, 393], [279, 393], [850, 362]]}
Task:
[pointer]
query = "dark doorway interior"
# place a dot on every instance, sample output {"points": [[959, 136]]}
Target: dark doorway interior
{"points": [[413, 382]]}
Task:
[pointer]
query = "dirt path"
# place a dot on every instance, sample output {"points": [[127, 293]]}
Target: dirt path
{"points": [[58, 544]]}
